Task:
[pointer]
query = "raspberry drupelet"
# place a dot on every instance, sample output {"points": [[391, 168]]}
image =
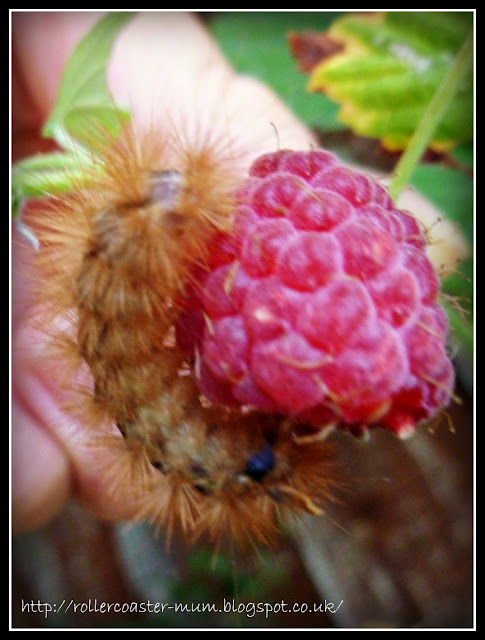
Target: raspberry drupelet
{"points": [[321, 304]]}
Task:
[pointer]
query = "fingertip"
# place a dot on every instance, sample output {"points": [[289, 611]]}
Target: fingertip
{"points": [[56, 455], [41, 44], [40, 474]]}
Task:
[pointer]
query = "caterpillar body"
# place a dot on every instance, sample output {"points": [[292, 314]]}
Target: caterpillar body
{"points": [[116, 256]]}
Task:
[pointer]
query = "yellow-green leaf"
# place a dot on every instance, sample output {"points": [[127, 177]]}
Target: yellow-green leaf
{"points": [[387, 69], [84, 104]]}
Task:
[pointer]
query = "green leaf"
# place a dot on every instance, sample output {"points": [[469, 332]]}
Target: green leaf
{"points": [[84, 105], [83, 109], [451, 192], [459, 304], [463, 155], [255, 42], [46, 174], [388, 70]]}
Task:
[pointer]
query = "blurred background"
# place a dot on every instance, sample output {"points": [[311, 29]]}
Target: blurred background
{"points": [[397, 549]]}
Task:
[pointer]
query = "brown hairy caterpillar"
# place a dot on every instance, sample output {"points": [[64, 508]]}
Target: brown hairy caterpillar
{"points": [[115, 256]]}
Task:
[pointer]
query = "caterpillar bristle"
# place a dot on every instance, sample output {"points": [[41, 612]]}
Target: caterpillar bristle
{"points": [[244, 525], [116, 256], [225, 475], [170, 507], [131, 472]]}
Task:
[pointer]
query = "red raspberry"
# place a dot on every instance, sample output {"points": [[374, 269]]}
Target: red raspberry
{"points": [[322, 303]]}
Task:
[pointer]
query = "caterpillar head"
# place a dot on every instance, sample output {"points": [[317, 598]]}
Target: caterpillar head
{"points": [[222, 473]]}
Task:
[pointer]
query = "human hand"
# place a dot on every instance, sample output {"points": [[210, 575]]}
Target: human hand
{"points": [[170, 74]]}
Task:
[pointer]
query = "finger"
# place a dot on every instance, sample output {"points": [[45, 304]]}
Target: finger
{"points": [[41, 45], [40, 470], [53, 455], [169, 72], [165, 68]]}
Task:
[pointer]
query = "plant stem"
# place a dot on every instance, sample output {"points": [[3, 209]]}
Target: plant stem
{"points": [[432, 117]]}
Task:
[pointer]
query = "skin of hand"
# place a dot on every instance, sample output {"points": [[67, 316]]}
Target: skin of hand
{"points": [[169, 72]]}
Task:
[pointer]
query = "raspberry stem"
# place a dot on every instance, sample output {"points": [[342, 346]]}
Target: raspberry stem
{"points": [[432, 117]]}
